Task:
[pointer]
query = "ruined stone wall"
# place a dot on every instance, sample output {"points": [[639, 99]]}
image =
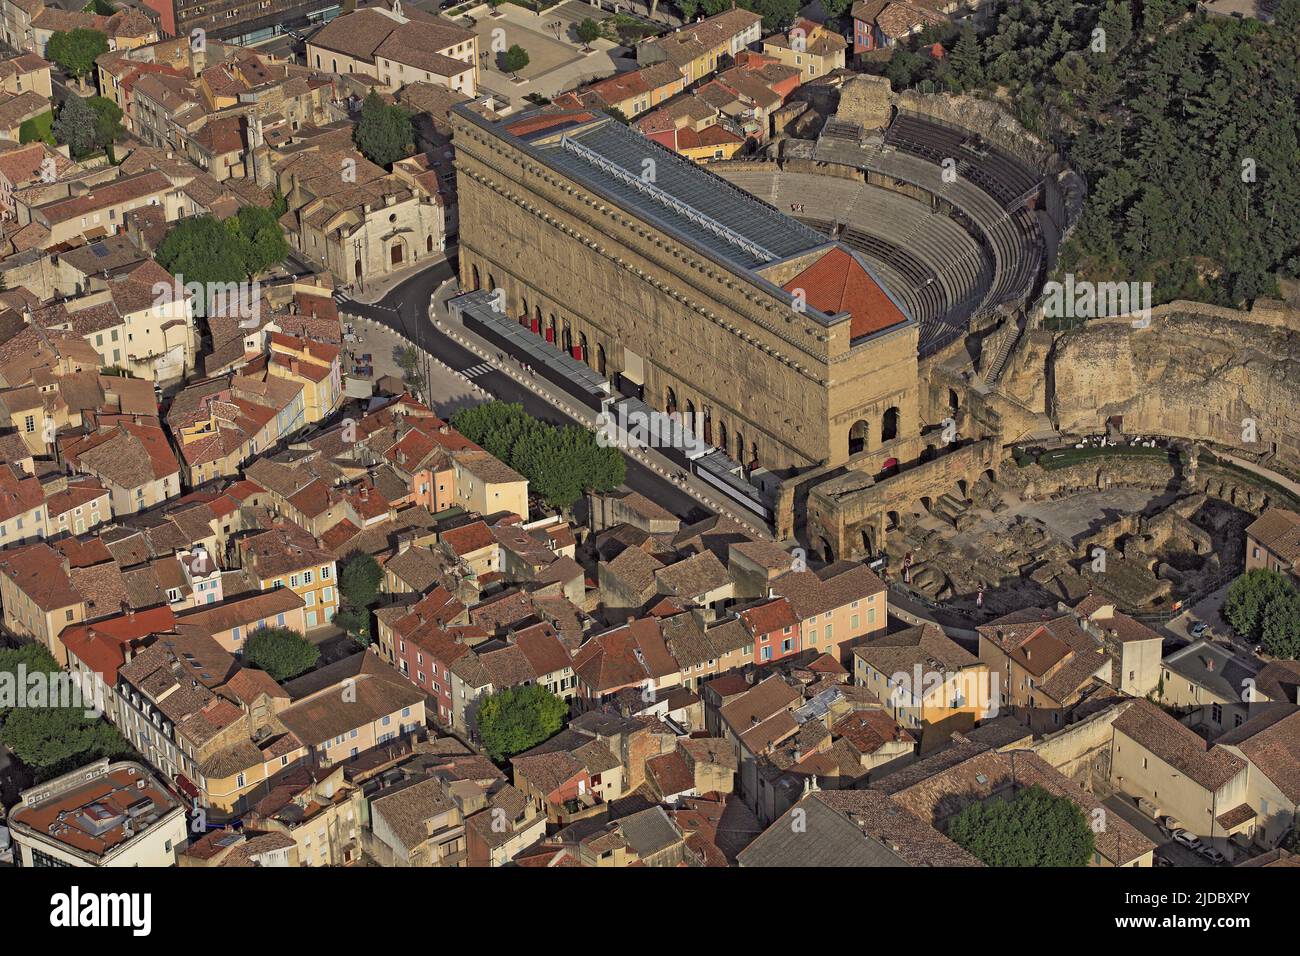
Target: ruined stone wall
{"points": [[840, 509], [1189, 374], [1197, 371], [866, 101], [1236, 488], [985, 117]]}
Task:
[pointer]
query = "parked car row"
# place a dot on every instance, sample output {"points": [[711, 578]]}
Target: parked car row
{"points": [[1183, 836]]}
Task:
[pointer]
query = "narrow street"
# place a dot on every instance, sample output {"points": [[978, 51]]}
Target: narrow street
{"points": [[405, 308]]}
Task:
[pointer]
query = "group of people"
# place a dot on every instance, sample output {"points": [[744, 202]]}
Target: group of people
{"points": [[523, 366]]}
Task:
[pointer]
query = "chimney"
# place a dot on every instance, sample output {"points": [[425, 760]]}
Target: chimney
{"points": [[1209, 663]]}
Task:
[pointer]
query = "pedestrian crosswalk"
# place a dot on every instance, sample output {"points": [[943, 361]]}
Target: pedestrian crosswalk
{"points": [[477, 370], [340, 297]]}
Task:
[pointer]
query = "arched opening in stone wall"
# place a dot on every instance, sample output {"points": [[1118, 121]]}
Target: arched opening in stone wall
{"points": [[893, 521], [962, 488], [477, 283], [670, 401], [722, 436], [858, 437], [601, 365], [824, 546], [889, 424], [740, 448], [954, 403], [753, 454], [708, 425], [868, 541], [492, 282], [583, 354]]}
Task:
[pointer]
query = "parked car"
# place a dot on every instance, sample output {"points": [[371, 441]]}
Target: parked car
{"points": [[1213, 855], [1199, 628], [1187, 839]]}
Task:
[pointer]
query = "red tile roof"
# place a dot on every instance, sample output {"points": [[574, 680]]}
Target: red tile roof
{"points": [[101, 646], [839, 282]]}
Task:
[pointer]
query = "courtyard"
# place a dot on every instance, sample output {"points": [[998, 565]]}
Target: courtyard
{"points": [[556, 57]]}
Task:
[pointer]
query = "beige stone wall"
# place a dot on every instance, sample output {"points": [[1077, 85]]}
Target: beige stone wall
{"points": [[844, 511], [1082, 750], [782, 381], [1197, 371]]}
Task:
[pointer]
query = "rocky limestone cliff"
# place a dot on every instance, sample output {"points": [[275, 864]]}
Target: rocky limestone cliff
{"points": [[1194, 372]]}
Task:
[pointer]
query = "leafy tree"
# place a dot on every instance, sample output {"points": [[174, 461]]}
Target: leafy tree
{"points": [[385, 133], [561, 464], [206, 250], [360, 579], [1032, 828], [201, 249], [262, 238], [967, 60], [359, 582], [588, 31], [108, 120], [75, 50], [689, 8], [75, 126], [1116, 20], [1264, 608], [517, 718], [280, 651], [514, 59], [1185, 173], [51, 740], [1281, 630], [356, 622], [776, 13]]}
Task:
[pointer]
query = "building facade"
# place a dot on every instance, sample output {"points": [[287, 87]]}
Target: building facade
{"points": [[792, 356]]}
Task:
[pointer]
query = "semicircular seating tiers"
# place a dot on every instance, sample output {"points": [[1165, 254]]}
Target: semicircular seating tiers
{"points": [[939, 271]]}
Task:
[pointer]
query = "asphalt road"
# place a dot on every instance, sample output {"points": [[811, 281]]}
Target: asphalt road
{"points": [[406, 309], [1166, 846]]}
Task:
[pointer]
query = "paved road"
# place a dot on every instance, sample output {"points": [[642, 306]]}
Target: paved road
{"points": [[406, 309], [1166, 847]]}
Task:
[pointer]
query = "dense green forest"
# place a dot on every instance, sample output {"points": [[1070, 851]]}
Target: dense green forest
{"points": [[1185, 127]]}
